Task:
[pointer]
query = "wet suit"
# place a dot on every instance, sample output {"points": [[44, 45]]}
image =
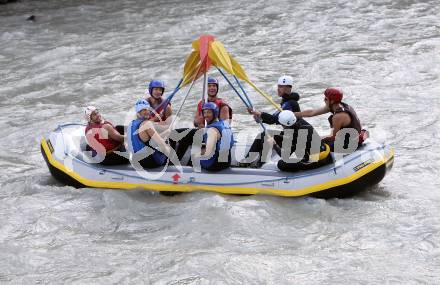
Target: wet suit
{"points": [[288, 102], [305, 163]]}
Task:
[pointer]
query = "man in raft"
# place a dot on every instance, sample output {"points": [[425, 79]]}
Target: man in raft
{"points": [[217, 140], [301, 138], [224, 113], [343, 118], [156, 88], [142, 139], [103, 138]]}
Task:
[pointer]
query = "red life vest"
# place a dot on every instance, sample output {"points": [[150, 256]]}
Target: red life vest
{"points": [[160, 111], [219, 102], [109, 144]]}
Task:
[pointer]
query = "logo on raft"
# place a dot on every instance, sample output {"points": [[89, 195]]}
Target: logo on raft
{"points": [[49, 144], [363, 164]]}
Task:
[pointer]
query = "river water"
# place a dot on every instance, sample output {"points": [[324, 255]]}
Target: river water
{"points": [[385, 55]]}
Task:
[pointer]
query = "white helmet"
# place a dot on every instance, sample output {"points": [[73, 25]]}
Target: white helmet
{"points": [[88, 112], [285, 80], [287, 118]]}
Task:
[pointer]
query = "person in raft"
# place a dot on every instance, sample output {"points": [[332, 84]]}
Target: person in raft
{"points": [[142, 139], [304, 142], [103, 138], [343, 118], [224, 113], [161, 113], [289, 101], [217, 140]]}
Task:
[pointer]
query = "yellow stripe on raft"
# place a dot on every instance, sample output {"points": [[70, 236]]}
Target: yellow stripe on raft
{"points": [[219, 189]]}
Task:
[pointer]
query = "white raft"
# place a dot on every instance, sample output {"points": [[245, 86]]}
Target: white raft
{"points": [[346, 177]]}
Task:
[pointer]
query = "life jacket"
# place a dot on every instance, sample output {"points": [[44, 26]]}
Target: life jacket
{"points": [[290, 102], [161, 111], [354, 122], [219, 102], [135, 143], [108, 143], [225, 142]]}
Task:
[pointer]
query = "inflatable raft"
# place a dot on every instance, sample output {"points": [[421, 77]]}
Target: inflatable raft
{"points": [[346, 176]]}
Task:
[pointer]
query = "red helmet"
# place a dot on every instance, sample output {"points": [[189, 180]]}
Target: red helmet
{"points": [[333, 94]]}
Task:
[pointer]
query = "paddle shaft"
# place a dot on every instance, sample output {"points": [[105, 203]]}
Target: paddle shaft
{"points": [[244, 92], [249, 105], [169, 98], [186, 95]]}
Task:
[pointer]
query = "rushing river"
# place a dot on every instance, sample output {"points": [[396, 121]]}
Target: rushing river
{"points": [[384, 54]]}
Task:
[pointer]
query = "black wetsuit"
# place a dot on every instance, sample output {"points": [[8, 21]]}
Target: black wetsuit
{"points": [[301, 129], [288, 102]]}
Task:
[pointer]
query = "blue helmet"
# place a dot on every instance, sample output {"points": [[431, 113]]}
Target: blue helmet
{"points": [[211, 106], [212, 80], [141, 104], [156, 84]]}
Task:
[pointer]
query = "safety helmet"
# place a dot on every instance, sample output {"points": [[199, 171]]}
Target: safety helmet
{"points": [[212, 80], [287, 118], [141, 104], [333, 94], [88, 112], [285, 80], [210, 106], [156, 84]]}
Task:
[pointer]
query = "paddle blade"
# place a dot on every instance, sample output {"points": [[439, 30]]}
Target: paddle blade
{"points": [[195, 73], [197, 62], [191, 65], [220, 56], [204, 47], [238, 70], [196, 44], [240, 73]]}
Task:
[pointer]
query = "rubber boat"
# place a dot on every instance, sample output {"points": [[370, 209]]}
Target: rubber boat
{"points": [[62, 150]]}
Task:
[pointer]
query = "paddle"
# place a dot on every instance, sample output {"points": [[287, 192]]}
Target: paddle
{"points": [[219, 54], [204, 46], [244, 92], [162, 106], [191, 68], [240, 73], [248, 105], [187, 93]]}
